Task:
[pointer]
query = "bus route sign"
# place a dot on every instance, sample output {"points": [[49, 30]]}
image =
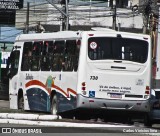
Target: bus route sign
{"points": [[11, 4]]}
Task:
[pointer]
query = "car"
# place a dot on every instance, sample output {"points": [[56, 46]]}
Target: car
{"points": [[154, 115]]}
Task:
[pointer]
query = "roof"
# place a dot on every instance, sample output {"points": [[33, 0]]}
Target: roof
{"points": [[50, 36]]}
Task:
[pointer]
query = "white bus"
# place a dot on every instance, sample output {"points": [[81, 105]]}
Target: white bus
{"points": [[62, 71]]}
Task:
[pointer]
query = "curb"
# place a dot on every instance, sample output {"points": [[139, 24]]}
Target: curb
{"points": [[58, 124], [37, 117], [46, 120]]}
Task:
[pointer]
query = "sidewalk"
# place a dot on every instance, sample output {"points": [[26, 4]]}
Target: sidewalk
{"points": [[4, 104], [50, 120], [23, 116]]}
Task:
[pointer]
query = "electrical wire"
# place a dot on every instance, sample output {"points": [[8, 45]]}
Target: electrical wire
{"points": [[76, 12]]}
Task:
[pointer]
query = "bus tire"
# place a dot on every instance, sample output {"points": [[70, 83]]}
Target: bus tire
{"points": [[21, 103], [54, 109], [129, 121], [147, 121]]}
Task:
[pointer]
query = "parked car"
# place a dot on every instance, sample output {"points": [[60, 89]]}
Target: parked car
{"points": [[154, 115], [155, 112]]}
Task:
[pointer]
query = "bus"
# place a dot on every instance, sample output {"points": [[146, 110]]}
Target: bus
{"points": [[67, 70]]}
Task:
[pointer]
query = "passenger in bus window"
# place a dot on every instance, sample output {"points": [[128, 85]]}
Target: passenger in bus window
{"points": [[26, 59], [36, 52], [58, 55]]}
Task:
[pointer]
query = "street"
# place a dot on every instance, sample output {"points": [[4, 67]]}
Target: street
{"points": [[67, 131], [70, 127]]}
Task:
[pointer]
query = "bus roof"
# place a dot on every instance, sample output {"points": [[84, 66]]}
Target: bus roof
{"points": [[102, 29], [49, 36], [74, 35], [121, 34]]}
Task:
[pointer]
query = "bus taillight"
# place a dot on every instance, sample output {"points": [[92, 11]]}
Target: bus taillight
{"points": [[84, 88], [83, 84], [147, 90]]}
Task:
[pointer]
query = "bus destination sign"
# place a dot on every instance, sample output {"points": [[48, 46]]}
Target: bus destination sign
{"points": [[11, 4]]}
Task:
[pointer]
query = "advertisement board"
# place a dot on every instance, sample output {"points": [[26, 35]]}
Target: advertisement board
{"points": [[7, 17], [11, 4]]}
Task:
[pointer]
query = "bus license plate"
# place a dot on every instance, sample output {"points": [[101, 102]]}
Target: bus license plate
{"points": [[115, 95]]}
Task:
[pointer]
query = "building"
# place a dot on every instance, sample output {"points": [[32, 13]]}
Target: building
{"points": [[123, 3], [89, 13]]}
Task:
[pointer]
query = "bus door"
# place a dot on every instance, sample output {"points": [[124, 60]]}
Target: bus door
{"points": [[12, 68]]}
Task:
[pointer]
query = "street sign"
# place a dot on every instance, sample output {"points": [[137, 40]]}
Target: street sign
{"points": [[11, 4]]}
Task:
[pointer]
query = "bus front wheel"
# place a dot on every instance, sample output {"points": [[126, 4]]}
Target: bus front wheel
{"points": [[54, 110]]}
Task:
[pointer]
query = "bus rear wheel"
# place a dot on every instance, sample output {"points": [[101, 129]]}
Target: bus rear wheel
{"points": [[147, 121], [54, 110], [21, 103]]}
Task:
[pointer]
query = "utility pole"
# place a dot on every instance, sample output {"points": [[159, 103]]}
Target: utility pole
{"points": [[146, 13], [67, 18], [64, 12], [27, 19], [114, 16]]}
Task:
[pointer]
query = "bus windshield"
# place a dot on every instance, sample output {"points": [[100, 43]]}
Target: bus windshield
{"points": [[13, 63], [105, 48]]}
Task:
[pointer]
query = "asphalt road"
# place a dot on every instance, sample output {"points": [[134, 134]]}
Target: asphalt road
{"points": [[66, 131]]}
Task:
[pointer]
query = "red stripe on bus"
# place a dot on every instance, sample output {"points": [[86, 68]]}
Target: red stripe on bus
{"points": [[58, 88], [68, 90], [36, 82], [72, 91]]}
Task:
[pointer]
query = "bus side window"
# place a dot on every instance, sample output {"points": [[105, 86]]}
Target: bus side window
{"points": [[46, 57], [26, 56], [58, 55], [36, 55], [71, 55]]}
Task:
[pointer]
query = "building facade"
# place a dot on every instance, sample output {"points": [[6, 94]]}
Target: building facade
{"points": [[122, 3]]}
